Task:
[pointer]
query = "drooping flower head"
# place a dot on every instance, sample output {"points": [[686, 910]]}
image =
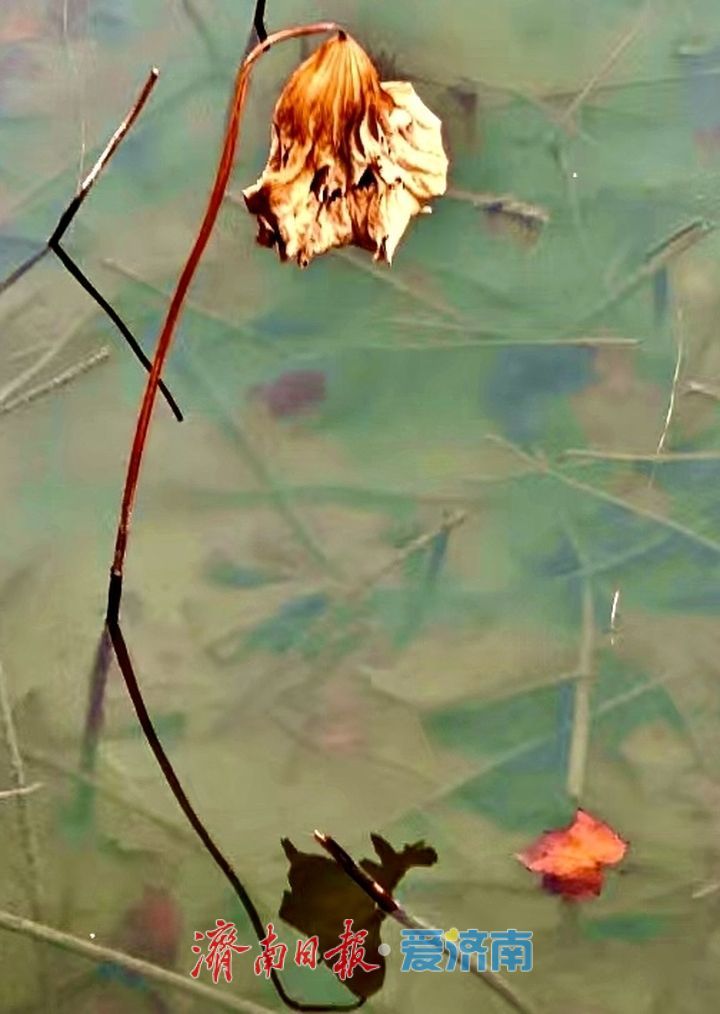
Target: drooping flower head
{"points": [[352, 159]]}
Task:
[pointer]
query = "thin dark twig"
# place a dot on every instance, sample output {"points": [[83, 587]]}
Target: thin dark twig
{"points": [[382, 898], [117, 320], [259, 20], [65, 221], [112, 620], [258, 32]]}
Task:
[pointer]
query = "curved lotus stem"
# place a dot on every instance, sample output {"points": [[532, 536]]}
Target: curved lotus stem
{"points": [[112, 621]]}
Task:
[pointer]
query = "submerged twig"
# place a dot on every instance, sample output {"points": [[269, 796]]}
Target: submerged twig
{"points": [[25, 828], [585, 341], [387, 903], [19, 381], [28, 838], [527, 747], [659, 450], [263, 473], [655, 259], [617, 51], [68, 375], [449, 522], [350, 594], [85, 795], [633, 83], [671, 401], [542, 467], [386, 277], [161, 295], [531, 215], [614, 610], [23, 790], [177, 831], [698, 387], [154, 973], [260, 469], [27, 351], [677, 243], [668, 458], [580, 733], [706, 890]]}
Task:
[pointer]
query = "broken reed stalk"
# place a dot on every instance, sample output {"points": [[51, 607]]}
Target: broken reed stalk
{"points": [[113, 629], [24, 790], [66, 377], [583, 683], [387, 903], [64, 222]]}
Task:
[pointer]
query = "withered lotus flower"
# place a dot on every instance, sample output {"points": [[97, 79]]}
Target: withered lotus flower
{"points": [[352, 159]]}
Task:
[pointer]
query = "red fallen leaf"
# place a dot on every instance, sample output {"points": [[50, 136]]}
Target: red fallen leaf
{"points": [[152, 928], [292, 392], [572, 859]]}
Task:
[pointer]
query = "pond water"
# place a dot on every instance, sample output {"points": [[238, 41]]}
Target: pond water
{"points": [[434, 554]]}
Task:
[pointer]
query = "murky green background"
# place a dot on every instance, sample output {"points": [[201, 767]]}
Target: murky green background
{"points": [[304, 666]]}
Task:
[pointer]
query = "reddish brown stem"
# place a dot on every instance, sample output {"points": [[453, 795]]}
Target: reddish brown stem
{"points": [[113, 627], [217, 194]]}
